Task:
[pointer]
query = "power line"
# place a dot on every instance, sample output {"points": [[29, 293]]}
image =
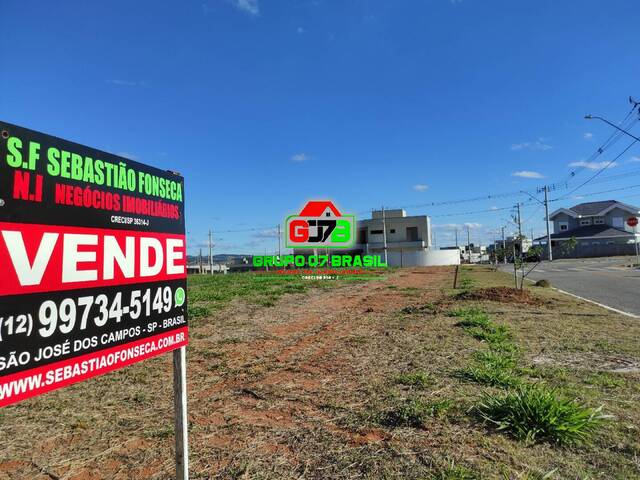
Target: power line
{"points": [[600, 170], [609, 142]]}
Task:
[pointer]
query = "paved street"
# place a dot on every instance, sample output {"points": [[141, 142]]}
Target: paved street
{"points": [[603, 280]]}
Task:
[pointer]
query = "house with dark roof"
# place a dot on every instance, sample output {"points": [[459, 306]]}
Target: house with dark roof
{"points": [[599, 228]]}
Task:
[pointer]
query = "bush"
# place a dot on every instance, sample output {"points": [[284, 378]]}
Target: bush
{"points": [[543, 283], [534, 413]]}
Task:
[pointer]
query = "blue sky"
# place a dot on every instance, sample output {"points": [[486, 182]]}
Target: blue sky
{"points": [[265, 104]]}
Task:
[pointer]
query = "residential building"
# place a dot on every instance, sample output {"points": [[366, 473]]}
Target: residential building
{"points": [[510, 242], [599, 229], [408, 240]]}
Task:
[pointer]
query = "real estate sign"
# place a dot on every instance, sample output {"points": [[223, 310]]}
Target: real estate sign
{"points": [[92, 263]]}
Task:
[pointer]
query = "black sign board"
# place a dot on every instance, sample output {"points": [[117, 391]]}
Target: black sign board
{"points": [[92, 263]]}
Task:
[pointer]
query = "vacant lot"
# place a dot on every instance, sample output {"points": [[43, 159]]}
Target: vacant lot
{"points": [[384, 378]]}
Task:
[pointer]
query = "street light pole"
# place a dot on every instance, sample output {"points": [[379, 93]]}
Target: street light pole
{"points": [[592, 117]]}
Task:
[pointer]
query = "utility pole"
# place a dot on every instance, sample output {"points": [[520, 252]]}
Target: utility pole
{"points": [[384, 234], [210, 255], [279, 253], [456, 230], [504, 249], [469, 242], [200, 260], [521, 246], [546, 221]]}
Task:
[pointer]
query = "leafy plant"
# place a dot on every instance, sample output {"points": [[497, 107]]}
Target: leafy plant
{"points": [[535, 413]]}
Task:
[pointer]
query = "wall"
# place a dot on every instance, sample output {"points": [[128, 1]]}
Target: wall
{"points": [[602, 250], [399, 224], [423, 258], [617, 212], [563, 217]]}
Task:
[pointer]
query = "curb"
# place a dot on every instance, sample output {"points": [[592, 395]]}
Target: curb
{"points": [[621, 312]]}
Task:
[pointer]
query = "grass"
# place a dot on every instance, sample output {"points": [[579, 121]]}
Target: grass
{"points": [[417, 379], [535, 413], [210, 293], [414, 413], [530, 412], [455, 471], [331, 373], [495, 368], [478, 324]]}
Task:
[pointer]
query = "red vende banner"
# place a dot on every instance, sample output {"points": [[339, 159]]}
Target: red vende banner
{"points": [[36, 381], [43, 258]]}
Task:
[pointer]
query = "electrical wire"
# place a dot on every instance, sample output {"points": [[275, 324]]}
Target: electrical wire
{"points": [[600, 170]]}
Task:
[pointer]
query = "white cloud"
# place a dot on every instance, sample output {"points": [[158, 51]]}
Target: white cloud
{"points": [[299, 157], [539, 145], [588, 136], [593, 165], [634, 159], [451, 226], [250, 7], [527, 174], [300, 30], [420, 187]]}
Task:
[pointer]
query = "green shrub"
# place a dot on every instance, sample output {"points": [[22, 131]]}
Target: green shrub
{"points": [[535, 413]]}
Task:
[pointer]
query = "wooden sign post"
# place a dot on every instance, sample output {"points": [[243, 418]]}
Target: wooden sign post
{"points": [[180, 412]]}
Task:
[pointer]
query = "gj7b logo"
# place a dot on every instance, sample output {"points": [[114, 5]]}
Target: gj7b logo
{"points": [[320, 225]]}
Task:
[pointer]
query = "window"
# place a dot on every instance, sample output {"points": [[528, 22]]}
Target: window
{"points": [[412, 234], [376, 232], [598, 221], [585, 221], [595, 244], [563, 226], [393, 230]]}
